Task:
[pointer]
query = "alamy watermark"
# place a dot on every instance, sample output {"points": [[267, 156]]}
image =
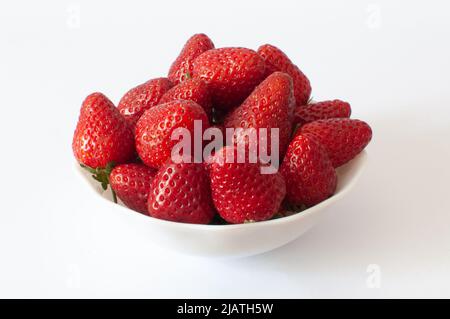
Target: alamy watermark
{"points": [[73, 20], [374, 278], [373, 20], [73, 280], [252, 146]]}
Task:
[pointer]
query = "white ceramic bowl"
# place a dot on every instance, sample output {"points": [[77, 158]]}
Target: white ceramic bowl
{"points": [[229, 240]]}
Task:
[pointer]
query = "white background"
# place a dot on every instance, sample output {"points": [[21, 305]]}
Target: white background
{"points": [[390, 59]]}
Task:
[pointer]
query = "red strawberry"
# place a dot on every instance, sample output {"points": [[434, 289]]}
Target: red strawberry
{"points": [[183, 65], [131, 182], [102, 135], [276, 60], [191, 90], [215, 133], [270, 105], [231, 74], [343, 139], [139, 99], [154, 129], [321, 110], [181, 193], [310, 177], [240, 192]]}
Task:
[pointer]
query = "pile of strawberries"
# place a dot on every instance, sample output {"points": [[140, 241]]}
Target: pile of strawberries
{"points": [[129, 146]]}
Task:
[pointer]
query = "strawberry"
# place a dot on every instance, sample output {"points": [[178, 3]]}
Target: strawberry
{"points": [[277, 60], [131, 183], [310, 177], [181, 192], [215, 133], [183, 65], [321, 110], [154, 129], [142, 97], [231, 74], [270, 105], [102, 135], [191, 90], [343, 139], [241, 193]]}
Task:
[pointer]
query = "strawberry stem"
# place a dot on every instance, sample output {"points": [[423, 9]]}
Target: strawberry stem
{"points": [[101, 175], [114, 195]]}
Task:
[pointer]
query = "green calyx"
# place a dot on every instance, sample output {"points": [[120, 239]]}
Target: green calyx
{"points": [[187, 76], [101, 175]]}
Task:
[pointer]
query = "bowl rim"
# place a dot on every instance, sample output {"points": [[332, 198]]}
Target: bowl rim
{"points": [[362, 161]]}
